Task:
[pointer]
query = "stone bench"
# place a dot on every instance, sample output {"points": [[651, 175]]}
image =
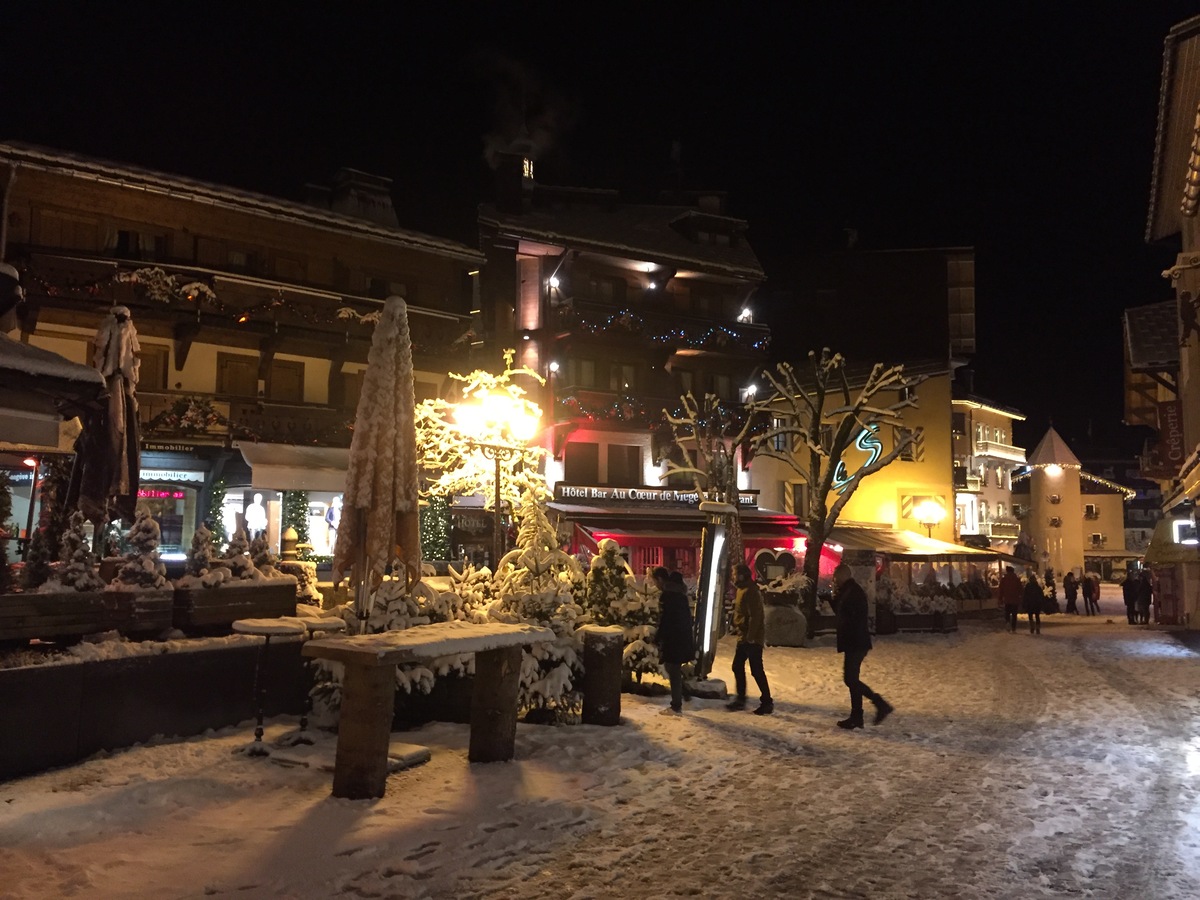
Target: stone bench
{"points": [[369, 687]]}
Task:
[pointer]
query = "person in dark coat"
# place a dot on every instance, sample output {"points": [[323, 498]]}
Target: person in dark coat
{"points": [[1010, 597], [1032, 598], [854, 643], [674, 633], [1129, 593], [749, 622], [1145, 595], [1091, 594], [1071, 592]]}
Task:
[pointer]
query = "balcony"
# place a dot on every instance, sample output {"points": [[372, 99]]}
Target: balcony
{"points": [[1003, 531], [996, 450], [213, 420], [662, 327]]}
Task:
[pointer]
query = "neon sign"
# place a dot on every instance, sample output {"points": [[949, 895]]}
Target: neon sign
{"points": [[159, 494], [868, 442]]}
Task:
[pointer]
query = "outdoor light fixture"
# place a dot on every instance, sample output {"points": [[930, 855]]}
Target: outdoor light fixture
{"points": [[1054, 470], [652, 286], [929, 513], [711, 588], [30, 461], [553, 366], [498, 425], [745, 315], [34, 463], [553, 282], [1184, 531]]}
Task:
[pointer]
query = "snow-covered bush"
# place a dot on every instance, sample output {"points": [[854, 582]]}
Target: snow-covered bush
{"points": [[142, 568], [263, 556], [613, 595], [201, 554], [77, 569], [237, 561], [538, 584]]}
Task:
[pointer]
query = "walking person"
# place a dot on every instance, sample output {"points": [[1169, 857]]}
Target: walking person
{"points": [[1032, 597], [854, 643], [1145, 593], [674, 633], [1091, 590], [1071, 592], [1010, 597], [749, 625], [1129, 593]]}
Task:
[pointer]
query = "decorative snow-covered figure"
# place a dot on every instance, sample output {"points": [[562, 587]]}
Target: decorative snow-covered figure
{"points": [[200, 557], [539, 584], [78, 568], [142, 568]]}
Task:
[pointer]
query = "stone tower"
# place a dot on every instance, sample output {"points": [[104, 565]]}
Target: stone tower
{"points": [[1054, 504]]}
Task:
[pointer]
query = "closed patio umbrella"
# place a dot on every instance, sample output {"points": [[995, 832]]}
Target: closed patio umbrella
{"points": [[379, 525], [104, 480]]}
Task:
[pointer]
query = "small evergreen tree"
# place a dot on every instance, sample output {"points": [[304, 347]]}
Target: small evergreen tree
{"points": [[200, 556], [263, 556], [295, 515], [537, 583], [78, 569], [5, 513], [142, 568], [240, 565], [46, 544], [435, 528], [614, 596], [216, 514]]}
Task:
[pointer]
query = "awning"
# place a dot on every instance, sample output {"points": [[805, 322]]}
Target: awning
{"points": [[288, 467], [908, 544], [678, 525], [1165, 551]]}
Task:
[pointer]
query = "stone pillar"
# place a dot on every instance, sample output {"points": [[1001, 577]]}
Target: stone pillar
{"points": [[603, 648], [494, 705]]}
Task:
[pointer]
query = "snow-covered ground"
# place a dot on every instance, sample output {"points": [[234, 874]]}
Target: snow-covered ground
{"points": [[1015, 766]]}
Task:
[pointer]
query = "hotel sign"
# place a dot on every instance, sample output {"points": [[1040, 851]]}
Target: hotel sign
{"points": [[581, 493]]}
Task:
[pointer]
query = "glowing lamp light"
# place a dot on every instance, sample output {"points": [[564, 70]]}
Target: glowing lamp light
{"points": [[745, 315], [652, 286], [553, 366], [553, 282], [929, 513], [1053, 470], [751, 390], [244, 317], [30, 461]]}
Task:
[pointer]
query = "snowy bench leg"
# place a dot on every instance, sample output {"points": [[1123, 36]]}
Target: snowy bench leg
{"points": [[364, 731], [494, 705]]}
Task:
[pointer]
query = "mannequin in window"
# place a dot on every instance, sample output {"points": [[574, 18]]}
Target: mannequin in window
{"points": [[333, 516], [256, 517]]}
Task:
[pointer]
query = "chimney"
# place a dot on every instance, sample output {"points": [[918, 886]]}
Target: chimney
{"points": [[514, 176], [361, 195]]}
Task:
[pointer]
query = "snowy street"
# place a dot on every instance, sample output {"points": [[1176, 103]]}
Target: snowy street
{"points": [[1015, 766]]}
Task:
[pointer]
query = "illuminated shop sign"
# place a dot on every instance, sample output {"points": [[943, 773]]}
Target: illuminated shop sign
{"points": [[159, 494], [581, 493], [172, 475]]}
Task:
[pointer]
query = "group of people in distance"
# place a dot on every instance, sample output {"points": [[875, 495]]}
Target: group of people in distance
{"points": [[1138, 593], [676, 644], [1028, 596]]}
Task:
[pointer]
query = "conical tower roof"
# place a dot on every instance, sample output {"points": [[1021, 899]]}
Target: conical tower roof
{"points": [[1053, 450]]}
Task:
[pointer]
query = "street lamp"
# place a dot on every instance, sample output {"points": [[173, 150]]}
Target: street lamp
{"points": [[498, 425], [929, 513], [34, 463]]}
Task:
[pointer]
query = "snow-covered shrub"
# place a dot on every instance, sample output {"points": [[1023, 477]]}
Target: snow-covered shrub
{"points": [[201, 553], [237, 561], [142, 568], [537, 584], [475, 590], [77, 570], [263, 556]]}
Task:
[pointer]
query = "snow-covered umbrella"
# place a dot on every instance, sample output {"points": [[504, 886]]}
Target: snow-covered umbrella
{"points": [[104, 481], [379, 526]]}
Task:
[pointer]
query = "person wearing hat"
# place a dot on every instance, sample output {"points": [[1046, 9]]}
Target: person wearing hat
{"points": [[674, 633]]}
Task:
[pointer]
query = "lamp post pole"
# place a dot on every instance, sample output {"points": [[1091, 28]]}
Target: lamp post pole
{"points": [[37, 470], [498, 453]]}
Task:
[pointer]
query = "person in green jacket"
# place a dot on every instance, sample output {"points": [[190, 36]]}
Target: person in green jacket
{"points": [[750, 629]]}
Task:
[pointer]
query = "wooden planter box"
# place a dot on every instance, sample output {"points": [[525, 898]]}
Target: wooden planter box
{"points": [[67, 614], [940, 623], [824, 625], [207, 609]]}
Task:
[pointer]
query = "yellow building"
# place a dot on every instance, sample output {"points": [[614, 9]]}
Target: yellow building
{"points": [[1073, 521], [914, 493]]}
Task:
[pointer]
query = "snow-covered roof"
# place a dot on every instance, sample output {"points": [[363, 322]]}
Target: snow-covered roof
{"points": [[30, 360], [638, 231], [1053, 450], [76, 165], [1152, 336]]}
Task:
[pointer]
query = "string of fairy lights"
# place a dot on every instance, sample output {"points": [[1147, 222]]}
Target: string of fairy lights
{"points": [[698, 337]]}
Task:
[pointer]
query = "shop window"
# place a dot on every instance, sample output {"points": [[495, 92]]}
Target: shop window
{"points": [[624, 465], [581, 463]]}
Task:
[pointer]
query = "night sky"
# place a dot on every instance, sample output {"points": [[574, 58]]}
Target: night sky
{"points": [[1026, 131]]}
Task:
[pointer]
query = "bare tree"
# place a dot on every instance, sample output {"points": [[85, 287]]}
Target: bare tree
{"points": [[707, 437], [815, 419]]}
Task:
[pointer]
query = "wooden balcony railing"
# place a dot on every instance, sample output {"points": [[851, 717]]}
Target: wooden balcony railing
{"points": [[208, 418]]}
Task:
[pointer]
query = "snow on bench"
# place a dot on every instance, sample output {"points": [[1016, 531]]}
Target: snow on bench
{"points": [[369, 687]]}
